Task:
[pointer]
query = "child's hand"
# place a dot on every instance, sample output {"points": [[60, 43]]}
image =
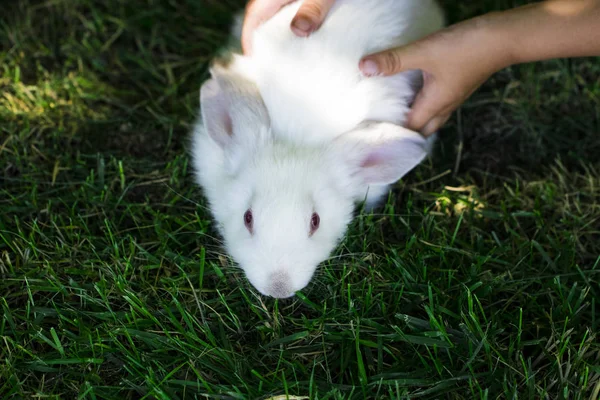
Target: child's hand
{"points": [[309, 18], [454, 61], [457, 60]]}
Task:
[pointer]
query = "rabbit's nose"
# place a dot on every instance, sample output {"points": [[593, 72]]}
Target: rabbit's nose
{"points": [[280, 286]]}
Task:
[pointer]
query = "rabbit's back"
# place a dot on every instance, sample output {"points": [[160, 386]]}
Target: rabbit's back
{"points": [[313, 88]]}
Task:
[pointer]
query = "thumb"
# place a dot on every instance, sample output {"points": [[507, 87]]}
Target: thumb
{"points": [[310, 16], [393, 61]]}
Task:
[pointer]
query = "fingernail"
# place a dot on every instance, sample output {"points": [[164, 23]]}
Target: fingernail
{"points": [[431, 127], [369, 68], [302, 26]]}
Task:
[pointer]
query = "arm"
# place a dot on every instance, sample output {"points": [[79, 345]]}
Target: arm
{"points": [[557, 29], [457, 60]]}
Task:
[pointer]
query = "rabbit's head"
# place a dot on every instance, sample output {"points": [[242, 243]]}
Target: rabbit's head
{"points": [[282, 207]]}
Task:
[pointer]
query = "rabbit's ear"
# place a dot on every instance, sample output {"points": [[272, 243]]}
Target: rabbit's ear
{"points": [[232, 108], [381, 153]]}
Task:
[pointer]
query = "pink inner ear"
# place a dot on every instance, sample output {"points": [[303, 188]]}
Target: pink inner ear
{"points": [[385, 163], [215, 106], [227, 124], [377, 157]]}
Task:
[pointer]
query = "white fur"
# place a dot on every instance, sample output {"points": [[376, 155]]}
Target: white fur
{"points": [[296, 129]]}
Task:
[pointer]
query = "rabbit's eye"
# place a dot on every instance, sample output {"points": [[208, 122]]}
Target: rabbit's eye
{"points": [[315, 221], [248, 220]]}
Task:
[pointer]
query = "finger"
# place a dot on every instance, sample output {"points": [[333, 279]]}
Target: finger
{"points": [[257, 12], [435, 124], [394, 61], [310, 16], [426, 106]]}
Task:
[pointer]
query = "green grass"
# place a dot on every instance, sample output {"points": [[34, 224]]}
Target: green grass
{"points": [[477, 280]]}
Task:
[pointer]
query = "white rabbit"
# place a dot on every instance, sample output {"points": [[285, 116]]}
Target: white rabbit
{"points": [[291, 139]]}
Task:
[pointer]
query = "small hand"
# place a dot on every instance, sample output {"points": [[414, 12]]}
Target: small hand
{"points": [[455, 62], [309, 18]]}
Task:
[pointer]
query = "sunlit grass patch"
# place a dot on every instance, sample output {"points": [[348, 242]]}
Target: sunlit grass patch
{"points": [[64, 103]]}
